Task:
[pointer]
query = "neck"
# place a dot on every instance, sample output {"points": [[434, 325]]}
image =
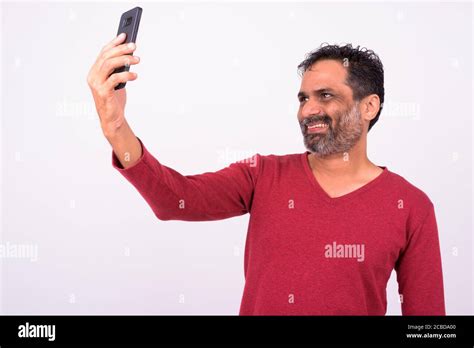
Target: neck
{"points": [[349, 164]]}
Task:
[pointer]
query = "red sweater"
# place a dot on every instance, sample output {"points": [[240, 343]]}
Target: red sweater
{"points": [[307, 253]]}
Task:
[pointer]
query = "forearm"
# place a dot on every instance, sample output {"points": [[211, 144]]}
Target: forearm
{"points": [[125, 144], [419, 270], [201, 197]]}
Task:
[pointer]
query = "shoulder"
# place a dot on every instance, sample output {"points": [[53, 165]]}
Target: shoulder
{"points": [[271, 166], [410, 197], [278, 160], [408, 188]]}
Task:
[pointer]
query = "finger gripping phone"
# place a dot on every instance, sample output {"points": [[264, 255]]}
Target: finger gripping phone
{"points": [[129, 23]]}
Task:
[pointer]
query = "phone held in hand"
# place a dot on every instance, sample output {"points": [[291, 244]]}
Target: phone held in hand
{"points": [[129, 23]]}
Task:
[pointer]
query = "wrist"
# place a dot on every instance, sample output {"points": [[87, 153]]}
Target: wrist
{"points": [[113, 130]]}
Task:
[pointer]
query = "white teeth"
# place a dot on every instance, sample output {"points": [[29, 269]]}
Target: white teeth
{"points": [[319, 125]]}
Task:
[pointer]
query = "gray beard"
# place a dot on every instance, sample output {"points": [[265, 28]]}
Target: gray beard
{"points": [[345, 134]]}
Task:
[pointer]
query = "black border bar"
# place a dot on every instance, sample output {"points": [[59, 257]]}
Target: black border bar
{"points": [[224, 330]]}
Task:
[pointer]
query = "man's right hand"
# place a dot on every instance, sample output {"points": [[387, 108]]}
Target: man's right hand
{"points": [[110, 103]]}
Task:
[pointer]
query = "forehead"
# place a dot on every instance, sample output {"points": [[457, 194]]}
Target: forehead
{"points": [[325, 74]]}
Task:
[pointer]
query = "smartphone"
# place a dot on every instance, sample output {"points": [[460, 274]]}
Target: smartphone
{"points": [[129, 23]]}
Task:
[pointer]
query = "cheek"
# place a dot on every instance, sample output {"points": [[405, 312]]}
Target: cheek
{"points": [[331, 108], [336, 119]]}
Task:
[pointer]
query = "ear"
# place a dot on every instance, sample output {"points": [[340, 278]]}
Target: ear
{"points": [[370, 106]]}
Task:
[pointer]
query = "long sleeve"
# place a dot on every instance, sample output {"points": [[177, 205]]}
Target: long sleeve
{"points": [[419, 270], [202, 197]]}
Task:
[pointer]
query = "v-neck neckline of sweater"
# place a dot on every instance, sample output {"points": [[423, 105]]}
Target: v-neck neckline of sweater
{"points": [[347, 196]]}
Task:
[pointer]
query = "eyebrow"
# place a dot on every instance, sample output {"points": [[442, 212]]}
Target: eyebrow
{"points": [[316, 91]]}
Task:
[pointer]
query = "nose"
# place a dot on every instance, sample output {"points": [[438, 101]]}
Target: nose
{"points": [[311, 108]]}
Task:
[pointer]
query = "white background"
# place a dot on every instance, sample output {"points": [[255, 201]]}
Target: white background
{"points": [[216, 82]]}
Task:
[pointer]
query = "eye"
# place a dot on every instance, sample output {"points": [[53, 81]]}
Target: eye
{"points": [[326, 95], [301, 99]]}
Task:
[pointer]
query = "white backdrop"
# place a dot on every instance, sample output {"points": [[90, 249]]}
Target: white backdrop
{"points": [[216, 82]]}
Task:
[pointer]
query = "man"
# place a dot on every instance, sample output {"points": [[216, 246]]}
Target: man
{"points": [[327, 226]]}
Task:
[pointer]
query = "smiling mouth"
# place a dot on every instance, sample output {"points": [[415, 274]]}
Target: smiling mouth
{"points": [[317, 127]]}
